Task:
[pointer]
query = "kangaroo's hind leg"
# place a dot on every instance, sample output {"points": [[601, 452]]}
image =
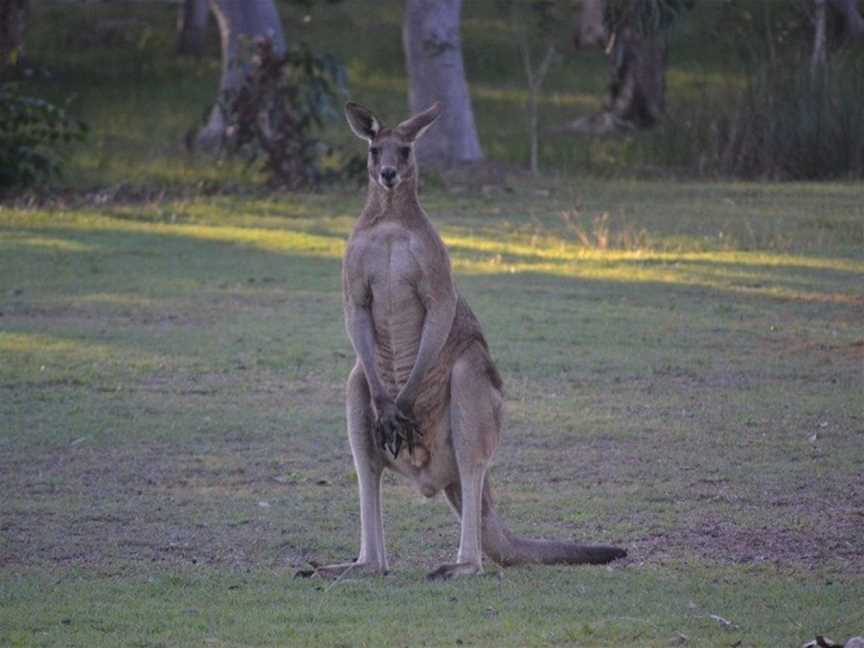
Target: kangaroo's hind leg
{"points": [[369, 463], [475, 406]]}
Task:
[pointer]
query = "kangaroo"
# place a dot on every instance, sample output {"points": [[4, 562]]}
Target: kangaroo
{"points": [[424, 398]]}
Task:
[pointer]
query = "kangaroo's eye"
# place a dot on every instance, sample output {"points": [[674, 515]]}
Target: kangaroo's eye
{"points": [[405, 151], [375, 151]]}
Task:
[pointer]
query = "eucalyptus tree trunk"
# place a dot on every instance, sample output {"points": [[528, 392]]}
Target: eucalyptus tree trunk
{"points": [[853, 22], [13, 19], [192, 21], [637, 78], [851, 29], [433, 56], [819, 55], [591, 28], [240, 22], [637, 86]]}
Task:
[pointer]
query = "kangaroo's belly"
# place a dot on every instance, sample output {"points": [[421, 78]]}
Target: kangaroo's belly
{"points": [[398, 313], [398, 316]]}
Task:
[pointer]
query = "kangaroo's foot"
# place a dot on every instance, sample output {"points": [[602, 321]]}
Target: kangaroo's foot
{"points": [[342, 570], [446, 572]]}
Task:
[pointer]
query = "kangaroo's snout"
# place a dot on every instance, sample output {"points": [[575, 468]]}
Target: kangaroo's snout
{"points": [[388, 176]]}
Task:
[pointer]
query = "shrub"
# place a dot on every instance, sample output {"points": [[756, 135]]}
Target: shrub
{"points": [[32, 131], [283, 100]]}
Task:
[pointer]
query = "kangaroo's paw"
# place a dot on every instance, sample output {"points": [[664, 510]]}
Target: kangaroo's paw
{"points": [[342, 570], [446, 572]]}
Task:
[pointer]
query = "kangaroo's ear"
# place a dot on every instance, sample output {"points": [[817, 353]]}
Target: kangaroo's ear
{"points": [[361, 120], [413, 128]]}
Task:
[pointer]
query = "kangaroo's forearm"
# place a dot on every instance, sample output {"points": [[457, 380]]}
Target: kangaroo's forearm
{"points": [[436, 330], [362, 335]]}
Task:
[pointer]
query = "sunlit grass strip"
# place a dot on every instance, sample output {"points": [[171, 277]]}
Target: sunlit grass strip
{"points": [[551, 255], [547, 247], [563, 250], [265, 239], [681, 276], [118, 299], [74, 350], [512, 94], [278, 240], [520, 95], [10, 240]]}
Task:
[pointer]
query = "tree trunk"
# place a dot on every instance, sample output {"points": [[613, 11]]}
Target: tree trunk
{"points": [[819, 56], [853, 22], [637, 80], [433, 56], [591, 28], [239, 21], [637, 88], [13, 14], [192, 21]]}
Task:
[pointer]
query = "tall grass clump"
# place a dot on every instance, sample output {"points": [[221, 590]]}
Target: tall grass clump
{"points": [[784, 123]]}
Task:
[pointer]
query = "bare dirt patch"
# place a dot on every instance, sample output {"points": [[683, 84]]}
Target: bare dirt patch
{"points": [[118, 509], [836, 541], [852, 352], [153, 504]]}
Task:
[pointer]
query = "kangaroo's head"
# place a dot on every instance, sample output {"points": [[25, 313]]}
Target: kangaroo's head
{"points": [[391, 150]]}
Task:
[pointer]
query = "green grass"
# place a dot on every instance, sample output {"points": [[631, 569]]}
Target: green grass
{"points": [[684, 365], [173, 440], [525, 608]]}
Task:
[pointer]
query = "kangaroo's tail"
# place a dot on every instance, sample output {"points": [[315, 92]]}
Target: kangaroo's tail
{"points": [[507, 549]]}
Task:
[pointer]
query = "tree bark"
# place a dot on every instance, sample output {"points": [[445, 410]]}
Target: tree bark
{"points": [[240, 21], [433, 56], [637, 80], [591, 29], [819, 56], [637, 88], [853, 22], [192, 21], [13, 18]]}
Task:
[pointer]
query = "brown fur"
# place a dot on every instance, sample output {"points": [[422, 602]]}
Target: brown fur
{"points": [[424, 374]]}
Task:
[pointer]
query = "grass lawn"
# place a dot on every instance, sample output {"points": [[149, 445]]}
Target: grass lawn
{"points": [[684, 366], [172, 443]]}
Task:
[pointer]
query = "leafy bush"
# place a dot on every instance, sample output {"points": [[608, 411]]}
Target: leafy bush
{"points": [[283, 99], [32, 131]]}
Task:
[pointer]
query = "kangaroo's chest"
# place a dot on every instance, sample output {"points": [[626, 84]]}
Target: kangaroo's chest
{"points": [[393, 272], [391, 268]]}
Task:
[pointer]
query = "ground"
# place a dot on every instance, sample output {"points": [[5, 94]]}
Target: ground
{"points": [[683, 362], [684, 378]]}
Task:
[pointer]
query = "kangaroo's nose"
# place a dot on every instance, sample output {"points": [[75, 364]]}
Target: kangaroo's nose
{"points": [[388, 174]]}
